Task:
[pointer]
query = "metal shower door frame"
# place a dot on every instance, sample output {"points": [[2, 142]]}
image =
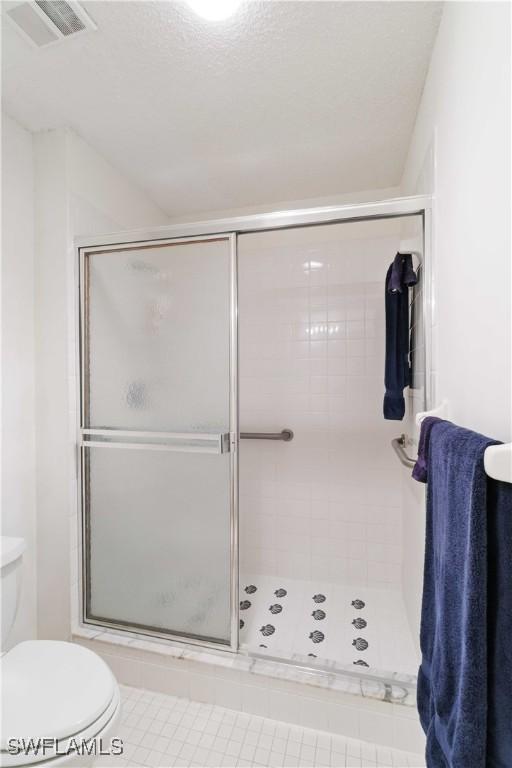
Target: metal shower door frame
{"points": [[153, 440], [418, 205]]}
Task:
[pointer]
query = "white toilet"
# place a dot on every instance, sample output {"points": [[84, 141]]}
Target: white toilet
{"points": [[50, 689]]}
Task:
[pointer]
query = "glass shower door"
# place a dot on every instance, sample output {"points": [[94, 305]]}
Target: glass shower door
{"points": [[159, 438]]}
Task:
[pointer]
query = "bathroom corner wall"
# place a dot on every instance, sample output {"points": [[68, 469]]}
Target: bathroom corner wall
{"points": [[76, 193], [460, 152], [52, 429], [18, 434]]}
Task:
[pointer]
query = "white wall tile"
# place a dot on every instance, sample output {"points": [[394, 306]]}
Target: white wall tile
{"points": [[376, 727], [228, 693], [255, 699], [203, 687], [329, 390], [408, 734], [343, 720]]}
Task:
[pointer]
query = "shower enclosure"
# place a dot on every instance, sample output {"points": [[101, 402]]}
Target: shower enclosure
{"points": [[201, 345]]}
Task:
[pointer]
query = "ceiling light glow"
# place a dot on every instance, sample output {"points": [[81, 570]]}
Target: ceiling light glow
{"points": [[214, 10], [312, 265]]}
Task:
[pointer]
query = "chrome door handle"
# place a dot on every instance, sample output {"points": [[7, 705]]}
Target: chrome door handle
{"points": [[181, 442]]}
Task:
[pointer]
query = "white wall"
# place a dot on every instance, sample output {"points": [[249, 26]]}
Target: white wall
{"points": [[18, 437], [464, 119], [77, 193], [366, 196], [460, 153], [102, 199]]}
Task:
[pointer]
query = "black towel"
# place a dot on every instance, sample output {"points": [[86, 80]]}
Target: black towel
{"points": [[397, 375], [465, 678]]}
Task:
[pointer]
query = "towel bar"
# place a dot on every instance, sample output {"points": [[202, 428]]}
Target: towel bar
{"points": [[497, 458], [285, 434], [398, 444]]}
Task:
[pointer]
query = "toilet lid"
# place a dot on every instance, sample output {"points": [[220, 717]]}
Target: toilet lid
{"points": [[52, 689]]}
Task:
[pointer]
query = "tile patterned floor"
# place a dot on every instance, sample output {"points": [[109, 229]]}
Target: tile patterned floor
{"points": [[160, 731], [346, 624]]}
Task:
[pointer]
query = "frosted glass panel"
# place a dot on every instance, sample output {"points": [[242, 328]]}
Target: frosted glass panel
{"points": [[157, 342], [157, 461], [159, 538]]}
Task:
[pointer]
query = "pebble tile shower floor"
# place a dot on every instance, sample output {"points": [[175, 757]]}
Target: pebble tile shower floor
{"points": [[160, 731]]}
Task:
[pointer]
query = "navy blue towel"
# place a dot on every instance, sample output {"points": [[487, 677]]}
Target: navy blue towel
{"points": [[402, 274], [419, 471], [465, 678], [499, 622], [397, 375]]}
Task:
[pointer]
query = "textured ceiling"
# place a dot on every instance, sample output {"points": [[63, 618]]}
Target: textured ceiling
{"points": [[284, 101]]}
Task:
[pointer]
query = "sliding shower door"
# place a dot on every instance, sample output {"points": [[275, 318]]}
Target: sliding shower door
{"points": [[158, 435]]}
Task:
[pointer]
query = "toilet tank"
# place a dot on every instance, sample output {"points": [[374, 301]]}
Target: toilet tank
{"points": [[11, 551]]}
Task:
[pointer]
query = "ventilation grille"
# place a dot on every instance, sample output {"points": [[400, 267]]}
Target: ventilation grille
{"points": [[62, 15], [48, 21]]}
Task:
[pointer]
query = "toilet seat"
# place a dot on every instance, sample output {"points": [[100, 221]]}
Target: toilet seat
{"points": [[100, 729], [56, 690]]}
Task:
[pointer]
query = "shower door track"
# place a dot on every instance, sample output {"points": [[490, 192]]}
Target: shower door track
{"points": [[261, 222], [400, 207]]}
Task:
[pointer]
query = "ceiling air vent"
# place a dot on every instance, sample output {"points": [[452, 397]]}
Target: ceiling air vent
{"points": [[48, 21]]}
